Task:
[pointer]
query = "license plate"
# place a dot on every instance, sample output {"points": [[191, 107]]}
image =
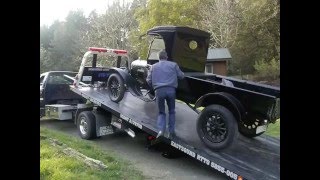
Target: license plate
{"points": [[261, 129], [105, 130]]}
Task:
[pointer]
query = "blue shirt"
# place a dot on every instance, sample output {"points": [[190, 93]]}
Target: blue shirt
{"points": [[164, 74]]}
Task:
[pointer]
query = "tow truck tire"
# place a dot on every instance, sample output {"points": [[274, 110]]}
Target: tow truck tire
{"points": [[217, 127], [86, 124], [115, 87]]}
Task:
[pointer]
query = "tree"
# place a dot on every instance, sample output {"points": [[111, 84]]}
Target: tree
{"points": [[62, 43], [45, 38], [249, 28], [112, 28], [44, 60], [221, 19], [163, 12], [259, 34]]}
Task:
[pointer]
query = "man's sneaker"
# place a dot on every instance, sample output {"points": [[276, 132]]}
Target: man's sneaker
{"points": [[160, 134]]}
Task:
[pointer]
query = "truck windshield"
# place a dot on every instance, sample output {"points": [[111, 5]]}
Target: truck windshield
{"points": [[60, 79]]}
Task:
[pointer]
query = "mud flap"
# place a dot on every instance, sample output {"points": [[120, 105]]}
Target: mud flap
{"points": [[103, 126]]}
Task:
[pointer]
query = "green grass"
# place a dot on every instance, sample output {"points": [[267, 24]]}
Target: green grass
{"points": [[274, 129], [54, 164]]}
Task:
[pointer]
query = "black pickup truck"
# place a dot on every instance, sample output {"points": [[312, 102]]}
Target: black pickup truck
{"points": [[229, 105], [55, 89]]}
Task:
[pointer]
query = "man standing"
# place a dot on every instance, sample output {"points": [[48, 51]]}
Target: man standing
{"points": [[163, 77]]}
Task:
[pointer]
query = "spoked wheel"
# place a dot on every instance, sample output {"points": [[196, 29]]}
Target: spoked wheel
{"points": [[115, 87], [217, 127], [249, 127]]}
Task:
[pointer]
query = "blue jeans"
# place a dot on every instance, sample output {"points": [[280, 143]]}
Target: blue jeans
{"points": [[167, 94]]}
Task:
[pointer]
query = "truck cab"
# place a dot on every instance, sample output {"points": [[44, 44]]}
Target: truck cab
{"points": [[55, 89]]}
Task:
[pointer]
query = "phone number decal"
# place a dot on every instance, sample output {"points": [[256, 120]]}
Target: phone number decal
{"points": [[206, 161]]}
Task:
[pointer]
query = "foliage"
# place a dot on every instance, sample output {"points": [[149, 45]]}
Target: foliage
{"points": [[274, 129], [249, 28], [163, 12], [61, 45], [267, 70], [111, 28], [258, 36], [44, 60], [221, 19]]}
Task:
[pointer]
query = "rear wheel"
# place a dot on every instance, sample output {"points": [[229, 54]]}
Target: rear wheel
{"points": [[116, 87], [86, 125], [249, 128], [217, 127]]}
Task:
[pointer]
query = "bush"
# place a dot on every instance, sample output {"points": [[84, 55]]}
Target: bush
{"points": [[267, 70]]}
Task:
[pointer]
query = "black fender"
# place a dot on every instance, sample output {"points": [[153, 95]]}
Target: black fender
{"points": [[129, 82], [224, 99]]}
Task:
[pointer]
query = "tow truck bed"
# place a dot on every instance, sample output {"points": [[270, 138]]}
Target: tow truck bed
{"points": [[257, 158]]}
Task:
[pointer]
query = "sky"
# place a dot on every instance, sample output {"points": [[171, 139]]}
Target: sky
{"points": [[51, 10]]}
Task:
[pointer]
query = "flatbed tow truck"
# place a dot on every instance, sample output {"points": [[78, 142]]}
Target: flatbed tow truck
{"points": [[257, 158], [120, 102]]}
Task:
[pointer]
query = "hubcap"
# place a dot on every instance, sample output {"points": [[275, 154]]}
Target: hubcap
{"points": [[215, 128], [83, 126]]}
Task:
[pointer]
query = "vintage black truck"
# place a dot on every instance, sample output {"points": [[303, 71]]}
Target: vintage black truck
{"points": [[229, 105]]}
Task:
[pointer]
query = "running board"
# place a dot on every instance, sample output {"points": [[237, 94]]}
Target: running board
{"points": [[116, 122]]}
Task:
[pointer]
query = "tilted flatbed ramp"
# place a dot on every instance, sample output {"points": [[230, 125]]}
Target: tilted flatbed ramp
{"points": [[257, 158]]}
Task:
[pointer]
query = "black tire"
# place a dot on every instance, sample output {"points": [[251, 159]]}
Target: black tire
{"points": [[86, 125], [115, 87], [213, 117], [248, 129]]}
